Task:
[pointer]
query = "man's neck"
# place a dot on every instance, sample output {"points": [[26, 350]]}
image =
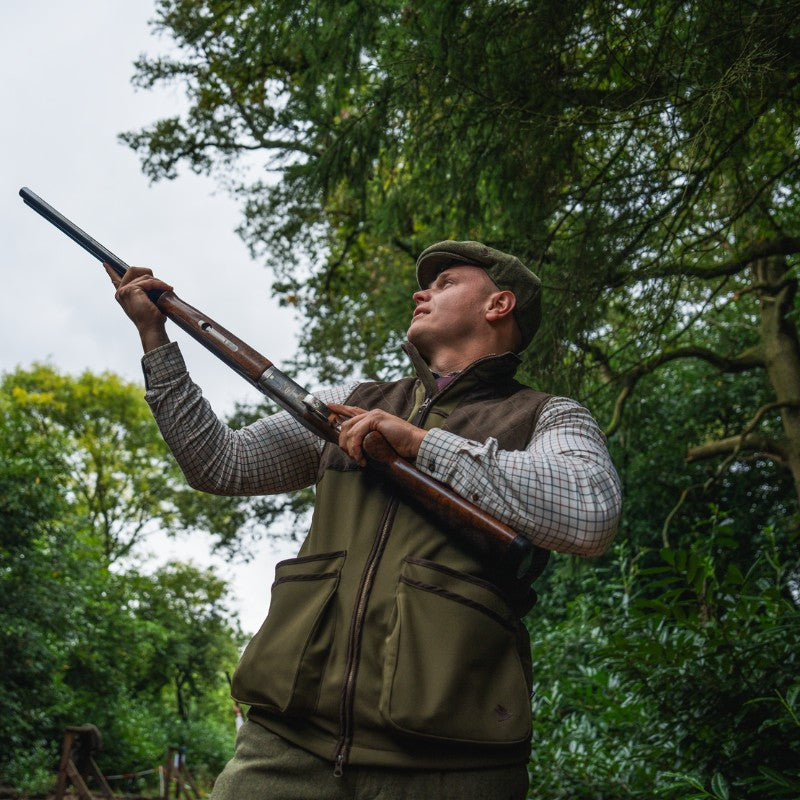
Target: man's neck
{"points": [[446, 363], [445, 356]]}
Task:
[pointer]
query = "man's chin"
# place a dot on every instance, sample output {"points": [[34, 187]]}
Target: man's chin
{"points": [[419, 340]]}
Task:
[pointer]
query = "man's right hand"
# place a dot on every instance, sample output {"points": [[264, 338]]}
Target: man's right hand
{"points": [[131, 294]]}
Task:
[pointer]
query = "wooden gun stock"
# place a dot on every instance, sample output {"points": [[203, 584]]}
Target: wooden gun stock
{"points": [[512, 560], [511, 553]]}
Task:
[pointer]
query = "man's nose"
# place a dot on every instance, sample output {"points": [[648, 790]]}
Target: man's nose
{"points": [[421, 296]]}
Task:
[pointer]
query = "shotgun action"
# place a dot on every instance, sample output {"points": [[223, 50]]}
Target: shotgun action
{"points": [[512, 560]]}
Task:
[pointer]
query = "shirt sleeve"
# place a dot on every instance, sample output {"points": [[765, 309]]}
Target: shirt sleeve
{"points": [[562, 491], [273, 455]]}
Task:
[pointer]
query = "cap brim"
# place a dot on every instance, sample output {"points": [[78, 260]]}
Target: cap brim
{"points": [[428, 267]]}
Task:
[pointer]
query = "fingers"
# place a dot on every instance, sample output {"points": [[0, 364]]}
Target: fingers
{"points": [[356, 425], [141, 277], [115, 279], [351, 434], [130, 274], [404, 437], [131, 293], [345, 412]]}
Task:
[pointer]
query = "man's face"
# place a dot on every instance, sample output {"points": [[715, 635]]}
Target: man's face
{"points": [[451, 310]]}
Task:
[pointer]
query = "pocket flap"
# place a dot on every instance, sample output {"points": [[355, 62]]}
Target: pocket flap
{"points": [[461, 588], [282, 666]]}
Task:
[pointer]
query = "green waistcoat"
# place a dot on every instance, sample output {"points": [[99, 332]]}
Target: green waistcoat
{"points": [[385, 642]]}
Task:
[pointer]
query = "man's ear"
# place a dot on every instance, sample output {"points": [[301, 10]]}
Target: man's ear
{"points": [[501, 305]]}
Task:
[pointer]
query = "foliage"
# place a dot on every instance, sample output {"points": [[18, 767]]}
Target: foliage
{"points": [[121, 475], [119, 468], [142, 656], [645, 172], [32, 538], [642, 158], [670, 671], [663, 494]]}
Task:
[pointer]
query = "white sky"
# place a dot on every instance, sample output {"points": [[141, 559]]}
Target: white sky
{"points": [[65, 96]]}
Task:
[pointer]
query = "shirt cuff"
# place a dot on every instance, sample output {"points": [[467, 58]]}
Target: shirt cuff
{"points": [[438, 453], [162, 365]]}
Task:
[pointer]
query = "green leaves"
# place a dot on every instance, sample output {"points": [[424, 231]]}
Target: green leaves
{"points": [[642, 159], [84, 477], [669, 674], [639, 167], [682, 782]]}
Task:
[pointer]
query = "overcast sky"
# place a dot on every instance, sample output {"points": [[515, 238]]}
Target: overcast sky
{"points": [[66, 95]]}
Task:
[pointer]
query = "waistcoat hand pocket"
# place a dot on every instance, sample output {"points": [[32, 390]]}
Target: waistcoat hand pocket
{"points": [[452, 668], [282, 666]]}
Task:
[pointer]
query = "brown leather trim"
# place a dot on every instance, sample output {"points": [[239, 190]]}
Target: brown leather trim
{"points": [[457, 598]]}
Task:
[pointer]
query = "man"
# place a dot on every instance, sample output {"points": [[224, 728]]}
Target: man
{"points": [[389, 664]]}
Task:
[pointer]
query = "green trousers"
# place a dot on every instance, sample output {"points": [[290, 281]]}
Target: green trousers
{"points": [[266, 767]]}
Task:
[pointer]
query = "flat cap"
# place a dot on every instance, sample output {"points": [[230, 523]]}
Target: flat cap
{"points": [[506, 271]]}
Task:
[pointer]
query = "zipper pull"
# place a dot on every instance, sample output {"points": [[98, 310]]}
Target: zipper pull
{"points": [[422, 410], [338, 769]]}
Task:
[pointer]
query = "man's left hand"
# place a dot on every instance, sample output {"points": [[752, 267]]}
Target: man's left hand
{"points": [[404, 437]]}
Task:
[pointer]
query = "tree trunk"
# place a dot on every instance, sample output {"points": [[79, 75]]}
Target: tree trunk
{"points": [[781, 348]]}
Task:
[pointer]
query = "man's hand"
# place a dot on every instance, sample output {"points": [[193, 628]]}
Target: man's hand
{"points": [[131, 295], [404, 437]]}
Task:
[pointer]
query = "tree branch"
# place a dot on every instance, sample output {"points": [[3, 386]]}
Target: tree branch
{"points": [[732, 445], [784, 246], [607, 373], [749, 359], [746, 440]]}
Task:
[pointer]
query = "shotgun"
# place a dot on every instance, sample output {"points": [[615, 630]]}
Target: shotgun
{"points": [[510, 558]]}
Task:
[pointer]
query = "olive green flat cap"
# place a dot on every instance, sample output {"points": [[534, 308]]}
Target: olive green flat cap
{"points": [[506, 271]]}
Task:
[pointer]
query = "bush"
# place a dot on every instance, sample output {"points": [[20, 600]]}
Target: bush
{"points": [[673, 673]]}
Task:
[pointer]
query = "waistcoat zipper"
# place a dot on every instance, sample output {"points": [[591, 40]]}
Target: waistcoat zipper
{"points": [[342, 752], [354, 639]]}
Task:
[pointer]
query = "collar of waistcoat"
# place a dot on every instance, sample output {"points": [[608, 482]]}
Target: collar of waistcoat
{"points": [[495, 367]]}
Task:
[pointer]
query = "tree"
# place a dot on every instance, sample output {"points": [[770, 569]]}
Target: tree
{"points": [[34, 603], [141, 656], [146, 662], [121, 475], [672, 674], [194, 645], [640, 157]]}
